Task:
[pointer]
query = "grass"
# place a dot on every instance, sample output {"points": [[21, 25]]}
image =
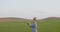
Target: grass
{"points": [[43, 26]]}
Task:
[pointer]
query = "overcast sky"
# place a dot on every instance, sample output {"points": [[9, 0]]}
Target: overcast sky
{"points": [[30, 8]]}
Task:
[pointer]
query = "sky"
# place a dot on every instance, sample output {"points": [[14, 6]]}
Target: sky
{"points": [[30, 8]]}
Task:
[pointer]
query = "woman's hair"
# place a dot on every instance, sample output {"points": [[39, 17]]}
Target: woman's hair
{"points": [[34, 18]]}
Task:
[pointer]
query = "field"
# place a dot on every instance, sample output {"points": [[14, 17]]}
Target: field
{"points": [[43, 26]]}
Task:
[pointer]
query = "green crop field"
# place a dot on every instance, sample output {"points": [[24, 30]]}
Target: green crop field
{"points": [[43, 26]]}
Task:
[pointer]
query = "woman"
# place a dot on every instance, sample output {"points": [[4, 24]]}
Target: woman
{"points": [[33, 25]]}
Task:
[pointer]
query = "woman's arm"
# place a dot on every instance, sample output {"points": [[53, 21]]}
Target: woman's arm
{"points": [[29, 24]]}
